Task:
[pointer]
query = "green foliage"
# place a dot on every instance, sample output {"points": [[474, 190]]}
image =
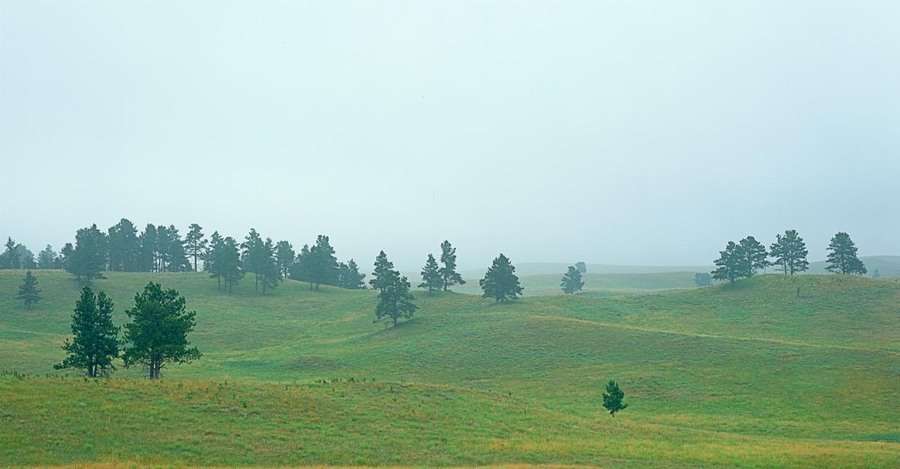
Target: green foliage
{"points": [[432, 279], [88, 259], [124, 247], [500, 281], [158, 331], [756, 258], [789, 252], [382, 276], [613, 397], [842, 257], [195, 244], [94, 344], [258, 257], [29, 293], [321, 264], [285, 257], [349, 276], [572, 282], [448, 272], [394, 298], [48, 259]]}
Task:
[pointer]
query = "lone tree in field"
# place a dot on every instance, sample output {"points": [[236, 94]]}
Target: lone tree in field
{"points": [[157, 333], [790, 253], [755, 256], [612, 398], [394, 298], [194, 243], [500, 281], [350, 277], [29, 293], [448, 272], [842, 256], [94, 344], [572, 281], [730, 264], [432, 280]]}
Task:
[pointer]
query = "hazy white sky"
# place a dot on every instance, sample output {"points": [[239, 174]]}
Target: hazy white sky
{"points": [[628, 132]]}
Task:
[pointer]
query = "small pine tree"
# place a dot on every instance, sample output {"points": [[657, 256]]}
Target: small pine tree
{"points": [[500, 282], [94, 344], [432, 280], [395, 300], [158, 331], [285, 257], [448, 272], [29, 293], [842, 257], [349, 276], [572, 281], [612, 398]]}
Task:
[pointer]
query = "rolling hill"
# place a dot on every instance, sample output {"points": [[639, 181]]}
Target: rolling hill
{"points": [[749, 375]]}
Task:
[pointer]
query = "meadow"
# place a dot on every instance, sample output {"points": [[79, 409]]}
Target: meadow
{"points": [[749, 375]]}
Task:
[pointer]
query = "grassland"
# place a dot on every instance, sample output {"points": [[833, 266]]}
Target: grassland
{"points": [[750, 375]]}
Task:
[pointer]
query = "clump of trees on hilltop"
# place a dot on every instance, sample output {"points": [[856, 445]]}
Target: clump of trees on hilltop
{"points": [[748, 256]]}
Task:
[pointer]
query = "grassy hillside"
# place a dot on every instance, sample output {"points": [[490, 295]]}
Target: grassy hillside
{"points": [[747, 375]]}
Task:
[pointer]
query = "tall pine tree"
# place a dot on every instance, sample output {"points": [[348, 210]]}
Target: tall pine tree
{"points": [[88, 259], [394, 299], [731, 263], [755, 256], [285, 256], [381, 276], [195, 244], [449, 274], [95, 343]]}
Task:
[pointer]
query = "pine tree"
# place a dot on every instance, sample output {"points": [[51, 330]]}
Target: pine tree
{"points": [[322, 267], [789, 252], [176, 255], [253, 255], [148, 251], [572, 281], [229, 264], [731, 264], [158, 331], [381, 276], [29, 293], [448, 272], [394, 300], [48, 259], [88, 259], [612, 398], [9, 259], [349, 276], [94, 344], [755, 256], [212, 258], [285, 256], [195, 244], [301, 268], [432, 280], [501, 282], [271, 274], [842, 256], [124, 247]]}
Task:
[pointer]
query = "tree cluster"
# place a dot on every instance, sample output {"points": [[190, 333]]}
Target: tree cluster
{"points": [[395, 302], [155, 336]]}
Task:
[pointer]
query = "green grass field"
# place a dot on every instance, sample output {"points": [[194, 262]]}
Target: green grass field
{"points": [[749, 375]]}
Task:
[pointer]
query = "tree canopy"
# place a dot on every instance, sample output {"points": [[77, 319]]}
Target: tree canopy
{"points": [[842, 257], [501, 282], [94, 343]]}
